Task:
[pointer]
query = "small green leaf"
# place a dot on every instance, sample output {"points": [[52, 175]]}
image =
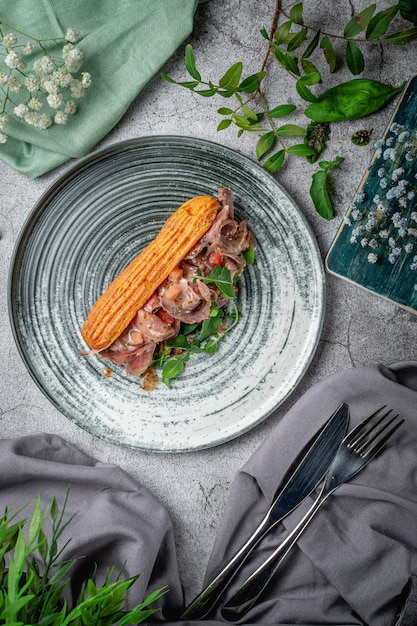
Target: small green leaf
{"points": [[251, 115], [190, 63], [188, 84], [309, 67], [329, 53], [251, 83], [318, 190], [223, 124], [358, 23], [354, 58], [304, 92], [312, 78], [249, 256], [225, 111], [297, 39], [402, 37], [282, 110], [283, 33], [265, 143], [207, 93], [264, 33], [232, 76], [361, 137], [380, 22], [300, 149], [274, 162], [286, 60], [312, 45], [296, 13], [290, 130]]}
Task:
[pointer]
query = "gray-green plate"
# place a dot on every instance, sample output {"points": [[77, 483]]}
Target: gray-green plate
{"points": [[85, 229]]}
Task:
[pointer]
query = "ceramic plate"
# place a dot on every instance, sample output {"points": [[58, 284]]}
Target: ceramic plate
{"points": [[92, 222]]}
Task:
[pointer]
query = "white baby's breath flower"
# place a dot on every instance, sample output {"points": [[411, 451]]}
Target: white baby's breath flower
{"points": [[44, 121], [77, 88], [3, 120], [20, 110], [32, 118], [3, 138], [86, 79], [61, 118], [63, 77], [12, 59], [43, 66], [372, 257], [55, 100], [35, 104], [32, 83], [28, 48], [3, 79], [15, 84], [9, 40], [72, 35], [50, 86], [70, 107]]}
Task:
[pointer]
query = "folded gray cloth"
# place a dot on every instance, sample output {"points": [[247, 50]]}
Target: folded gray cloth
{"points": [[351, 567]]}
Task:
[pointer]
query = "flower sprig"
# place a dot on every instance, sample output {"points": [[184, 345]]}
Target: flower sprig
{"points": [[383, 220], [37, 86]]}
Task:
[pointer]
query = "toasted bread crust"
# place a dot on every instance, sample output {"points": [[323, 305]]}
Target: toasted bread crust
{"points": [[131, 289]]}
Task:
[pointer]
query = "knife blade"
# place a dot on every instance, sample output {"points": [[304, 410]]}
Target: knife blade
{"points": [[309, 471]]}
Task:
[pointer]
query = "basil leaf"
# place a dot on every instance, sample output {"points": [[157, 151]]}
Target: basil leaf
{"points": [[408, 10], [351, 100]]}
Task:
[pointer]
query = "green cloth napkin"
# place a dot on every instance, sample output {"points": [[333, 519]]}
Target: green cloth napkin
{"points": [[124, 44]]}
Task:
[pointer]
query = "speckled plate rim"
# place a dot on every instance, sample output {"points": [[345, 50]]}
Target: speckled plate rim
{"points": [[218, 438]]}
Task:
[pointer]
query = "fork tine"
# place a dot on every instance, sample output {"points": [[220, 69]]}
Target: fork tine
{"points": [[379, 443], [373, 433], [359, 428], [364, 436]]}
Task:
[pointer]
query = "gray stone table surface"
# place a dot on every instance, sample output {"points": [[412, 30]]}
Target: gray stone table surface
{"points": [[359, 327]]}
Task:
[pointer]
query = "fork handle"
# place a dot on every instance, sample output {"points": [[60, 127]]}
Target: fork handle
{"points": [[206, 599], [249, 592]]}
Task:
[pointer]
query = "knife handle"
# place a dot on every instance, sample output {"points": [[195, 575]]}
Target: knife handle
{"points": [[206, 599]]}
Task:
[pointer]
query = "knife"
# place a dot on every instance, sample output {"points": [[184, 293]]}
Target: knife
{"points": [[308, 473]]}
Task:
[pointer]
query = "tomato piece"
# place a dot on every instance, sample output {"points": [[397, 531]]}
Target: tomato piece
{"points": [[165, 316], [215, 258]]}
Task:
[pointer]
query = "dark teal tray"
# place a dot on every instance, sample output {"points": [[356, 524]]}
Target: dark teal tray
{"points": [[376, 244]]}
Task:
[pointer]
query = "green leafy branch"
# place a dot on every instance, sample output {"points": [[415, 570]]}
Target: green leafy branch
{"points": [[33, 578], [293, 45]]}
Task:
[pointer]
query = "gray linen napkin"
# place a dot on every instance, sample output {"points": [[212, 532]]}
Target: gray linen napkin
{"points": [[117, 521], [351, 567], [353, 564]]}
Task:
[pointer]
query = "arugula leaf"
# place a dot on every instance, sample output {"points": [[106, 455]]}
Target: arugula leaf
{"points": [[221, 277]]}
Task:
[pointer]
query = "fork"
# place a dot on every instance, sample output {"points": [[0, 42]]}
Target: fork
{"points": [[355, 451]]}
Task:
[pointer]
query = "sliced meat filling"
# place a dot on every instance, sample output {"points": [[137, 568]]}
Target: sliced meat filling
{"points": [[183, 296]]}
